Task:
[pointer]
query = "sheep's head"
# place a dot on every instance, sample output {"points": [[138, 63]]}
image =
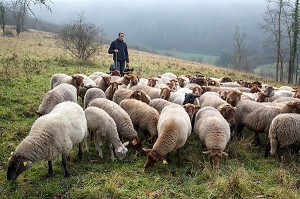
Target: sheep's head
{"points": [[233, 97], [294, 107], [136, 144], [17, 165], [165, 93], [152, 158], [228, 112], [215, 155], [122, 151]]}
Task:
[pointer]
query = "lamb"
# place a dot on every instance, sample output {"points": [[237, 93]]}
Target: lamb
{"points": [[214, 131], [284, 131], [174, 127], [52, 134], [142, 115], [159, 104], [61, 93], [91, 94], [103, 126], [125, 93], [121, 118], [258, 117]]}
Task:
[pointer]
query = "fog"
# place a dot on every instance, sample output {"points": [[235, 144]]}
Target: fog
{"points": [[203, 26]]}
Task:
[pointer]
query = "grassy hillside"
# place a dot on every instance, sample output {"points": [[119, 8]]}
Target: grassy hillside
{"points": [[27, 64]]}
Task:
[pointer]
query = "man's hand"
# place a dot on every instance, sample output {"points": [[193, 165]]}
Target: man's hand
{"points": [[116, 50]]}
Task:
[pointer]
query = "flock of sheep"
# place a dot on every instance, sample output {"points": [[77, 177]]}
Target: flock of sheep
{"points": [[167, 109]]}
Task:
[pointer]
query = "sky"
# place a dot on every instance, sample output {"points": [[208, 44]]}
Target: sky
{"points": [[147, 21]]}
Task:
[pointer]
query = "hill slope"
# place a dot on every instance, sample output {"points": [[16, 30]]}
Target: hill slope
{"points": [[28, 62]]}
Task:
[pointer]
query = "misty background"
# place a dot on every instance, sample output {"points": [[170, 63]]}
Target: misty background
{"points": [[197, 26]]}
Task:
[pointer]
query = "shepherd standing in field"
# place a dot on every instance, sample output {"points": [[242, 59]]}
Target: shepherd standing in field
{"points": [[120, 53]]}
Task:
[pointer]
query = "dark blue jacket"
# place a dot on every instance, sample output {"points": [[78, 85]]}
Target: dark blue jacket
{"points": [[122, 55]]}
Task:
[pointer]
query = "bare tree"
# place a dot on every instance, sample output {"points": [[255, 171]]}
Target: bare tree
{"points": [[294, 44], [19, 13], [3, 15], [81, 38], [272, 25], [239, 56]]}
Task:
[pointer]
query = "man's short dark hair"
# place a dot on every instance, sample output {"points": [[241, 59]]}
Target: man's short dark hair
{"points": [[121, 33]]}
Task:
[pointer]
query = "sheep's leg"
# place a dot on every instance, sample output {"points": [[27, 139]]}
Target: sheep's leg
{"points": [[98, 145], [50, 169], [238, 131], [268, 148], [79, 151], [256, 140], [112, 151], [280, 153], [179, 157], [64, 163]]}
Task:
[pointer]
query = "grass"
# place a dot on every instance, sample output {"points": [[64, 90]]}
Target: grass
{"points": [[27, 64]]}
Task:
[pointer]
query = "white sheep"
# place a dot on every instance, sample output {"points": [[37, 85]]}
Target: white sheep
{"points": [[91, 94], [61, 93], [142, 115], [174, 127], [75, 80], [214, 131], [284, 131], [257, 117], [103, 126], [121, 118], [159, 104], [52, 134], [125, 93]]}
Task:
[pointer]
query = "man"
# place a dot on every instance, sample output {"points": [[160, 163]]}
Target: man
{"points": [[120, 53]]}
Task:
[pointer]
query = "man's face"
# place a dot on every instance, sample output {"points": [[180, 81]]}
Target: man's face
{"points": [[121, 37]]}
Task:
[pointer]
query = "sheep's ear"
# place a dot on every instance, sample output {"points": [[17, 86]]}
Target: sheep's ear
{"points": [[147, 150], [126, 143], [206, 152], [134, 141], [224, 153]]}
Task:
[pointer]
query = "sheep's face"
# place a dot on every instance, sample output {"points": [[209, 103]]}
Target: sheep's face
{"points": [[121, 152], [151, 160], [17, 165], [165, 93], [233, 97]]}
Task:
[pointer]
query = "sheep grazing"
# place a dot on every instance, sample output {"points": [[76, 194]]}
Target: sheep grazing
{"points": [[52, 134], [61, 93], [91, 94], [214, 131], [284, 131], [143, 116], [121, 118], [174, 127], [159, 104], [103, 126], [258, 117]]}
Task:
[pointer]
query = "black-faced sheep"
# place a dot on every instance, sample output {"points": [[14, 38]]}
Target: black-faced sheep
{"points": [[52, 134]]}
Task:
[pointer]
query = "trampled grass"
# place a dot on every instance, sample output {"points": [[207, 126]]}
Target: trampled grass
{"points": [[245, 173]]}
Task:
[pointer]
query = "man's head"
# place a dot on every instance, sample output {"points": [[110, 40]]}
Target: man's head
{"points": [[121, 36]]}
